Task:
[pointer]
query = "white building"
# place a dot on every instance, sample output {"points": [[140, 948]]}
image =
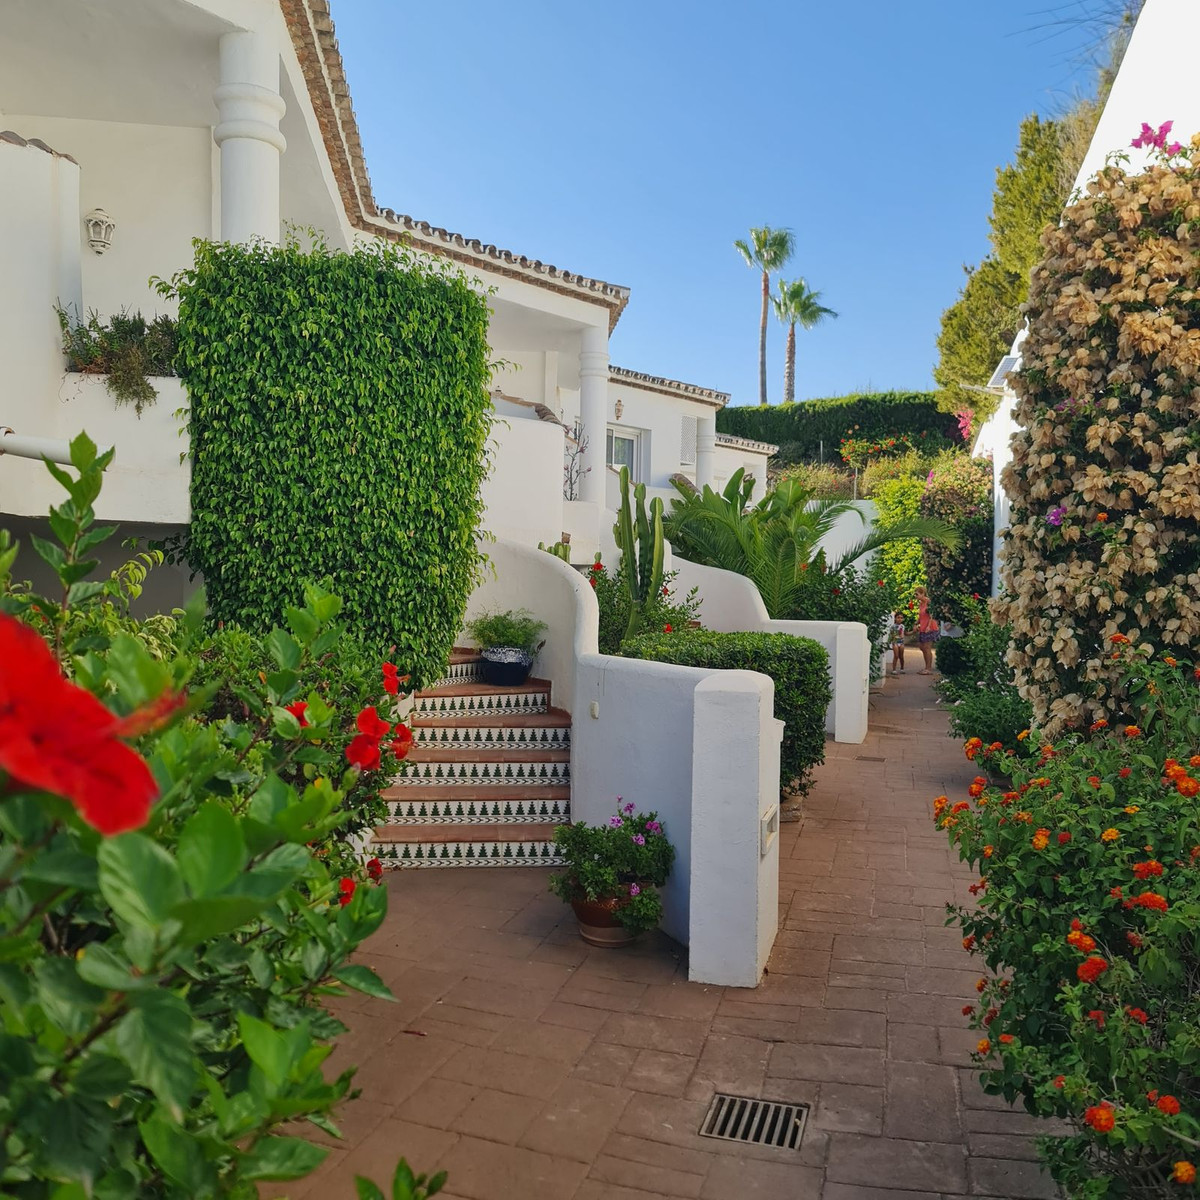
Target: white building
{"points": [[1156, 82], [226, 119]]}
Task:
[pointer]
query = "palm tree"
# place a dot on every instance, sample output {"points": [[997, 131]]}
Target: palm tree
{"points": [[767, 250], [777, 540], [795, 305]]}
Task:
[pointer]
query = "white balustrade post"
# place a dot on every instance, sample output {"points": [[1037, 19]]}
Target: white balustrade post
{"points": [[706, 448], [593, 412], [249, 107]]}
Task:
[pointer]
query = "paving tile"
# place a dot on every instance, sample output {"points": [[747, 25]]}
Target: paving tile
{"points": [[855, 1191], [654, 1179], [730, 1064], [849, 1108], [921, 1100], [535, 1077], [493, 1115], [1008, 1177], [577, 1120], [687, 1001], [842, 1064], [654, 1033], [930, 1166], [607, 1063], [758, 1180], [659, 1072], [437, 1102], [483, 1170]]}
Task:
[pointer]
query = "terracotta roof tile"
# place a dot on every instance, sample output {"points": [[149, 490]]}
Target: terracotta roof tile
{"points": [[668, 387], [741, 443]]}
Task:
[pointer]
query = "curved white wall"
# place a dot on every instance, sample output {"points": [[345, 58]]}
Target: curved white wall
{"points": [[523, 490]]}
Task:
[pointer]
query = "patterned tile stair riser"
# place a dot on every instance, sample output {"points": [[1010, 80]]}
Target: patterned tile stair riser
{"points": [[487, 780]]}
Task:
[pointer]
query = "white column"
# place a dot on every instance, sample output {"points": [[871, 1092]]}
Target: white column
{"points": [[593, 411], [249, 106], [706, 446]]}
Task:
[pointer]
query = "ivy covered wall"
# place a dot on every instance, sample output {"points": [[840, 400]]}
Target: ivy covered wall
{"points": [[339, 415]]}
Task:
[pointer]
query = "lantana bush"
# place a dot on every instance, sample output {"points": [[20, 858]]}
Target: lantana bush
{"points": [[1105, 476]]}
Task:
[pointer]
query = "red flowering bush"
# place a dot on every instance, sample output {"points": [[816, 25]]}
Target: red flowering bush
{"points": [[169, 922], [1088, 922]]}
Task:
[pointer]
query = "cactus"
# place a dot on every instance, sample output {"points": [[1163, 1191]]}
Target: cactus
{"points": [[640, 539], [559, 550]]}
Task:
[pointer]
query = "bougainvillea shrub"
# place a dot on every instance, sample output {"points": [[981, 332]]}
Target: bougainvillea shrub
{"points": [[1087, 929], [1105, 477], [169, 922]]}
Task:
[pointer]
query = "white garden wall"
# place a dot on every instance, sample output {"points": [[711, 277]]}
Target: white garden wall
{"points": [[523, 490]]}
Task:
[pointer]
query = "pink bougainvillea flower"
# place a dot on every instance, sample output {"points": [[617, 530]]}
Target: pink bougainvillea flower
{"points": [[58, 738], [634, 890], [638, 840]]}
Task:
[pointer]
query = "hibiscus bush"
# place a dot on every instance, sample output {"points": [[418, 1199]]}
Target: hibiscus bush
{"points": [[169, 924], [668, 612], [1105, 476], [1087, 925]]}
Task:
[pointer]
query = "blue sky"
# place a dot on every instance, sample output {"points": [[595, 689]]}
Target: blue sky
{"points": [[634, 140]]}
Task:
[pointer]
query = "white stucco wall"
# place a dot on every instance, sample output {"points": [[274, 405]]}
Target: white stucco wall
{"points": [[155, 181], [146, 481], [523, 490]]}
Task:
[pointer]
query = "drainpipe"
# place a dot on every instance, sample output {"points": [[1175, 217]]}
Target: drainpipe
{"points": [[57, 450]]}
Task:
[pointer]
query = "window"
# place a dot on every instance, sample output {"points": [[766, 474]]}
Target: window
{"points": [[687, 442], [621, 450]]}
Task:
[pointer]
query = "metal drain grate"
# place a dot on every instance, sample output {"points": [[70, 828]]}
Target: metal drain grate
{"points": [[760, 1122]]}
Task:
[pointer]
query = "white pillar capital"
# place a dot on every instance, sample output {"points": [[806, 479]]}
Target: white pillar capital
{"points": [[593, 412], [249, 108]]}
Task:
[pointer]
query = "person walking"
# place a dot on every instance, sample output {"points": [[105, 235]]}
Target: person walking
{"points": [[927, 630]]}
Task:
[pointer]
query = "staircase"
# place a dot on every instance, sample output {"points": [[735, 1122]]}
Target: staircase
{"points": [[487, 779]]}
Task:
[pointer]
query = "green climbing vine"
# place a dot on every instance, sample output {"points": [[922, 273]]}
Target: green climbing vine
{"points": [[339, 417]]}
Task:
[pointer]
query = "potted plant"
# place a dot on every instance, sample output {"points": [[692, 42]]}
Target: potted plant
{"points": [[508, 643], [612, 875]]}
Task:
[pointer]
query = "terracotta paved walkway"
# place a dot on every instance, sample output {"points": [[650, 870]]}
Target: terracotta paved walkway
{"points": [[548, 1071]]}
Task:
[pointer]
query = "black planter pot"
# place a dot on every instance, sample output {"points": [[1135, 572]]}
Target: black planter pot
{"points": [[504, 666]]}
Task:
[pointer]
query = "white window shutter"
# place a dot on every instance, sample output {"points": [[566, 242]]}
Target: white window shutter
{"points": [[687, 442]]}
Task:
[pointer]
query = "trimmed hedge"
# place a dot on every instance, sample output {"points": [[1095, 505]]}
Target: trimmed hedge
{"points": [[799, 429], [799, 667], [339, 418]]}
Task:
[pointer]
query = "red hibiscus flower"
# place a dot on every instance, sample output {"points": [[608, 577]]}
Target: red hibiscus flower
{"points": [[346, 888], [58, 738], [402, 741], [371, 724], [298, 708], [375, 869], [363, 752]]}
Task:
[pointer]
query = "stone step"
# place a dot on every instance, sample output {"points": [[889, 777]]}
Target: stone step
{"points": [[464, 854], [461, 767], [550, 729], [531, 809], [480, 699]]}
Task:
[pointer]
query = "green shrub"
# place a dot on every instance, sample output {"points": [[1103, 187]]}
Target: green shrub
{"points": [[1088, 923], [825, 481], [952, 656], [801, 428], [169, 924], [612, 596], [799, 667], [339, 415], [518, 630], [899, 563], [958, 489], [911, 464]]}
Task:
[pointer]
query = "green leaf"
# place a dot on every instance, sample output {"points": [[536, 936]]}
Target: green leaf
{"points": [[284, 649], [139, 879], [366, 1189], [268, 1049], [154, 1038], [66, 865], [363, 979], [363, 915], [211, 850], [80, 592], [281, 1158], [51, 553], [179, 1155], [68, 1001], [201, 920], [99, 964], [101, 1077]]}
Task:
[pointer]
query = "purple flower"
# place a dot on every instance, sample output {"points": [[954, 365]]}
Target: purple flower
{"points": [[634, 890], [615, 822], [628, 808], [654, 827], [1173, 148], [638, 840], [1055, 516]]}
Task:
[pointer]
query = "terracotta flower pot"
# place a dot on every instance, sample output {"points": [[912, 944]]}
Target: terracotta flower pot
{"points": [[598, 924]]}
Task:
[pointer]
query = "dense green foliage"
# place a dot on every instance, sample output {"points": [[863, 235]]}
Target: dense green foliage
{"points": [[126, 349], [776, 542], [978, 683], [339, 415], [799, 667], [899, 563], [517, 630], [1088, 922], [824, 481], [627, 859], [169, 923], [800, 429], [667, 611], [959, 489]]}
